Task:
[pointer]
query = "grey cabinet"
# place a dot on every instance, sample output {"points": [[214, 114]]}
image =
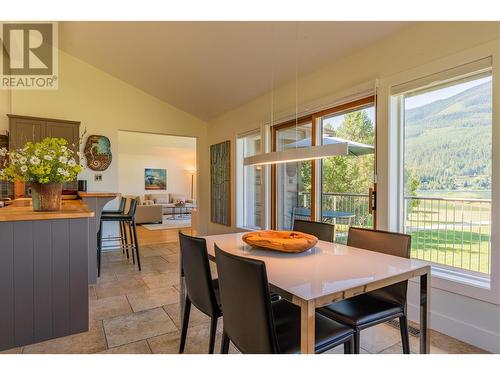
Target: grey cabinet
{"points": [[33, 129]]}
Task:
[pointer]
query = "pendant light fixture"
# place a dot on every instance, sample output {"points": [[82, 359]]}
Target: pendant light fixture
{"points": [[298, 153]]}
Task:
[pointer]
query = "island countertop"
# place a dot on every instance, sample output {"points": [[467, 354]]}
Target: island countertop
{"points": [[21, 210]]}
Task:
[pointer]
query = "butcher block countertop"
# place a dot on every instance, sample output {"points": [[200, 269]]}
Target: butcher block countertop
{"points": [[21, 210], [96, 194]]}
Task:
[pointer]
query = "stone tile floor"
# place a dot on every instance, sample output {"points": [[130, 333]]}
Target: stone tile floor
{"points": [[138, 312]]}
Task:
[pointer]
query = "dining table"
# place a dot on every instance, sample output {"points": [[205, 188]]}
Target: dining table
{"points": [[327, 273]]}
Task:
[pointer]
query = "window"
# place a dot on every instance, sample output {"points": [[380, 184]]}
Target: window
{"points": [[249, 183], [293, 180], [446, 171], [346, 180], [342, 182]]}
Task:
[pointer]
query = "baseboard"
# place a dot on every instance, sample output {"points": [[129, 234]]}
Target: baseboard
{"points": [[460, 330]]}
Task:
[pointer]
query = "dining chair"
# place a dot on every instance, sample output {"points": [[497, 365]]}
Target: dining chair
{"points": [[255, 324], [201, 290], [381, 305], [324, 231]]}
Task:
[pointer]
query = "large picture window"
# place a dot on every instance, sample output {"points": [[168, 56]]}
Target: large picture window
{"points": [[446, 171]]}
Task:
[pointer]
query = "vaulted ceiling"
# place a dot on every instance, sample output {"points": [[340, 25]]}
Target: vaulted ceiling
{"points": [[208, 68]]}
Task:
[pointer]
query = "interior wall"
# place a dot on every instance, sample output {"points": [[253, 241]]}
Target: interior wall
{"points": [[134, 158], [104, 105], [458, 315]]}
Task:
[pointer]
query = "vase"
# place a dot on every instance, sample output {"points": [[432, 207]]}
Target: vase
{"points": [[46, 197]]}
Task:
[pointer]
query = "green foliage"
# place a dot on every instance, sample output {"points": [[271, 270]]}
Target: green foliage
{"points": [[353, 174], [448, 142], [50, 160]]}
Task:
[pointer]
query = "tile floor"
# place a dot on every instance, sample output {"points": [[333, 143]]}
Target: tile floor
{"points": [[138, 312]]}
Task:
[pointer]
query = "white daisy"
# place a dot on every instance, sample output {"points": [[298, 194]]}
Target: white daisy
{"points": [[63, 159], [34, 160], [71, 162], [23, 160], [24, 168], [47, 157]]}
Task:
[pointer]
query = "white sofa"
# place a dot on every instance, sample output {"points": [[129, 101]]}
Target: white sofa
{"points": [[170, 202]]}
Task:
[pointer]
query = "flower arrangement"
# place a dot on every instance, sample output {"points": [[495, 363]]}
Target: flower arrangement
{"points": [[48, 161]]}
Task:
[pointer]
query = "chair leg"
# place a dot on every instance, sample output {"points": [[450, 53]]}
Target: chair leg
{"points": [[122, 241], [357, 342], [224, 348], [349, 346], [213, 331], [132, 242], [126, 237], [136, 242], [185, 323], [405, 339]]}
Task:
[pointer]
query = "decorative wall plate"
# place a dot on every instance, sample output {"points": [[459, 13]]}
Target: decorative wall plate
{"points": [[98, 152]]}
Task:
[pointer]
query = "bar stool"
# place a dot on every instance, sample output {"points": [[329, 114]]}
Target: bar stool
{"points": [[122, 237], [126, 220]]}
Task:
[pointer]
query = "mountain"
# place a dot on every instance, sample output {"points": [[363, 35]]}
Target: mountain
{"points": [[448, 142]]}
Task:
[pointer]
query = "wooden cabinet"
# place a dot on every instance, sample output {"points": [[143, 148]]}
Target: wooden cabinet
{"points": [[33, 129], [24, 129]]}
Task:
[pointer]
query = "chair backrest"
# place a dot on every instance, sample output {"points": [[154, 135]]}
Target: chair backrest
{"points": [[132, 207], [121, 206], [197, 276], [324, 231], [390, 243], [244, 292]]}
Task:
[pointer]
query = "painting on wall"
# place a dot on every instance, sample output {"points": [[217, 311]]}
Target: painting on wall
{"points": [[220, 182], [155, 179], [98, 152]]}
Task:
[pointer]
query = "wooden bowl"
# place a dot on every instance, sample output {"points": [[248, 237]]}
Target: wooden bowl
{"points": [[284, 240]]}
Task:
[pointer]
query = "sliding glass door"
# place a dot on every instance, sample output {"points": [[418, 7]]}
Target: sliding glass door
{"points": [[338, 189]]}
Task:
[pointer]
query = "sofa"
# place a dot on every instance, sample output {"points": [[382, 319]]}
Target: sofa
{"points": [[170, 202]]}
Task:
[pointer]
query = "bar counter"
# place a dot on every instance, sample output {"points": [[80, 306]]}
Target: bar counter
{"points": [[21, 210], [43, 272]]}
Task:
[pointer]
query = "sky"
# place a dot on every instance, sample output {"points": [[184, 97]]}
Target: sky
{"points": [[337, 120], [429, 97]]}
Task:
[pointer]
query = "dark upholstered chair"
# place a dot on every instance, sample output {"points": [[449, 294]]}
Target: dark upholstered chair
{"points": [[378, 306], [324, 231], [255, 324], [201, 290]]}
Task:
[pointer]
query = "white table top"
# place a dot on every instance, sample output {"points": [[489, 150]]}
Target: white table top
{"points": [[325, 269]]}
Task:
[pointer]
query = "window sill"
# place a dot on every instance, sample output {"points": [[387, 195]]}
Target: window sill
{"points": [[467, 284]]}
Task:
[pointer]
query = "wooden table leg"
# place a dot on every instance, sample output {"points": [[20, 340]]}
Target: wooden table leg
{"points": [[307, 322], [424, 313]]}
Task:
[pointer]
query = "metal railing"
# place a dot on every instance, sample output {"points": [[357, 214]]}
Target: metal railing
{"points": [[451, 232]]}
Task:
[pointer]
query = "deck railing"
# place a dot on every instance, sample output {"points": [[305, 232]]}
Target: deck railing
{"points": [[452, 232]]}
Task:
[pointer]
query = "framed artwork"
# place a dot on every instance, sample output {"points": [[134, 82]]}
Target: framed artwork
{"points": [[155, 179], [220, 183]]}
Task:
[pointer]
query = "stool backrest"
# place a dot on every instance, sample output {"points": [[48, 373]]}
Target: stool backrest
{"points": [[244, 292], [324, 231], [132, 207], [390, 243], [196, 270]]}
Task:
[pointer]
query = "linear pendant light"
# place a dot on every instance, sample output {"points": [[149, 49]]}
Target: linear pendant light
{"points": [[295, 154]]}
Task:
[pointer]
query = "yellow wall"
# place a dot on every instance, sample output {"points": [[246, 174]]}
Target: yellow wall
{"points": [[104, 105], [414, 46]]}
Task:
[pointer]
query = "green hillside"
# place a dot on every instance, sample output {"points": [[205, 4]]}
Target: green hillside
{"points": [[448, 142]]}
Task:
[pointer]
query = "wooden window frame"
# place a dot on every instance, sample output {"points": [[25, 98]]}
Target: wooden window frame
{"points": [[312, 118]]}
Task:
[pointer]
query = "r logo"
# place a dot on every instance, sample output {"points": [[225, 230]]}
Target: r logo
{"points": [[27, 49]]}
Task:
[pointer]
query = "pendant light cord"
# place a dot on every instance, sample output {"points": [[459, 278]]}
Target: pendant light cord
{"points": [[296, 83]]}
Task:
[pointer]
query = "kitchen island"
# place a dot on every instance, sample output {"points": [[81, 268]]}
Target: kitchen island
{"points": [[43, 272]]}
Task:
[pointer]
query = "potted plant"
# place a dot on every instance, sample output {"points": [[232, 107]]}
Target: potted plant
{"points": [[45, 165]]}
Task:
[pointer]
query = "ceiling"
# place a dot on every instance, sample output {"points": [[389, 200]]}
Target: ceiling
{"points": [[208, 68]]}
